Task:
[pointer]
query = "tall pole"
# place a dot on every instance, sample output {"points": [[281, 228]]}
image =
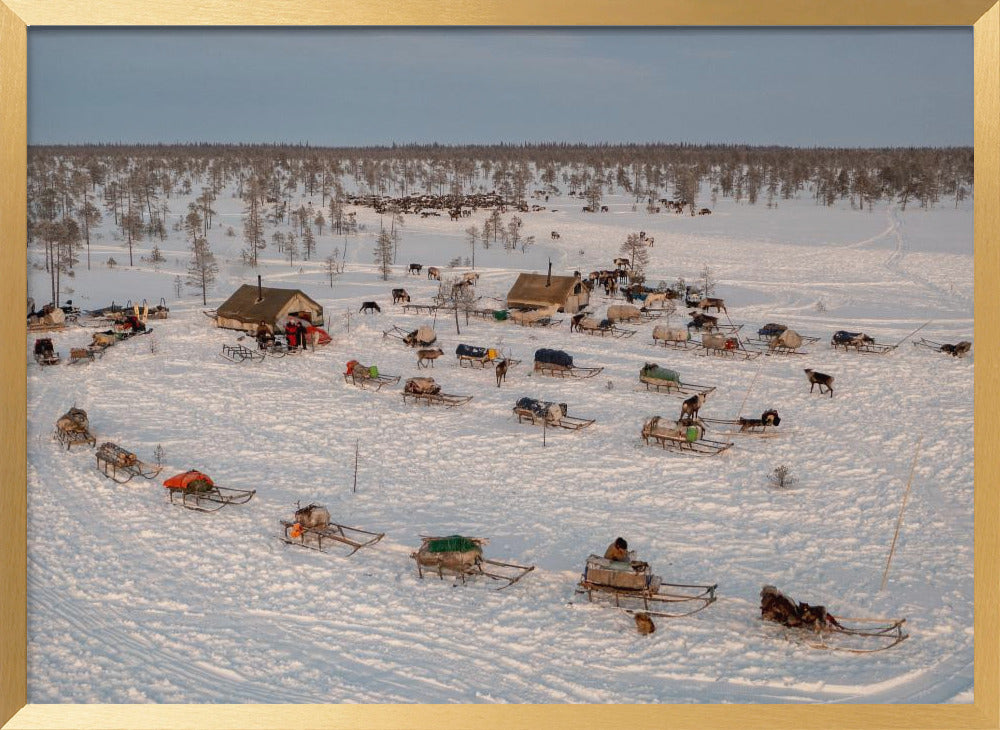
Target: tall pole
{"points": [[899, 521], [357, 445]]}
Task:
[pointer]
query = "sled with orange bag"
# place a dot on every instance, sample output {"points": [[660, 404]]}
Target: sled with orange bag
{"points": [[195, 490]]}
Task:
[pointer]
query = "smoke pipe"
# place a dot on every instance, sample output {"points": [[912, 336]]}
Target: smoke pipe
{"points": [[260, 290], [548, 279]]}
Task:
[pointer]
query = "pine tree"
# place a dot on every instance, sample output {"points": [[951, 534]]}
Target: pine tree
{"points": [[202, 268]]}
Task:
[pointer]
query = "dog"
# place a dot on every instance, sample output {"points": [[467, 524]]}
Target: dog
{"points": [[370, 307], [644, 624], [820, 379], [428, 356]]}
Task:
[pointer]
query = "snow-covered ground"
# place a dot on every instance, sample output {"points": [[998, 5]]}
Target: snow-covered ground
{"points": [[134, 600]]}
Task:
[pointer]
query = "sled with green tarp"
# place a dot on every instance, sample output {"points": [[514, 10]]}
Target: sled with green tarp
{"points": [[463, 557]]}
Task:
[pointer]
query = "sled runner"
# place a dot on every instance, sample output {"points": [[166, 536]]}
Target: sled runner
{"points": [[686, 437], [550, 414], [559, 364], [196, 491], [311, 528], [960, 349], [120, 465], [426, 391], [241, 353], [463, 557], [632, 587], [367, 376], [664, 380], [818, 629], [73, 427]]}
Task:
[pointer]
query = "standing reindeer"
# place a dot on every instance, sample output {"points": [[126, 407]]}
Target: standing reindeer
{"points": [[501, 370], [820, 379]]}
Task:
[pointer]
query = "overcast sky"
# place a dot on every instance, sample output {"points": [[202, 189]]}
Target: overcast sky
{"points": [[797, 87]]}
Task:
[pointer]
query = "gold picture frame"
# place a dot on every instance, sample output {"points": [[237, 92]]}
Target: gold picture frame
{"points": [[17, 15]]}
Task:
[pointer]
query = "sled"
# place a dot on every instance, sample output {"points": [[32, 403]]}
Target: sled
{"points": [[73, 428], [682, 436], [570, 423], [436, 399], [748, 427], [602, 331], [673, 387], [47, 357], [69, 439], [860, 346], [121, 466], [241, 353], [738, 352], [314, 538], [960, 349], [463, 557], [196, 491], [631, 586], [360, 377], [540, 322], [563, 371], [724, 329], [853, 635], [410, 337]]}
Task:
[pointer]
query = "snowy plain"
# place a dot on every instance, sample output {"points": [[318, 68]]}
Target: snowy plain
{"points": [[131, 599]]}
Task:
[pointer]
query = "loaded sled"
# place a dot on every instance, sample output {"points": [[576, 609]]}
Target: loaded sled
{"points": [[859, 342], [722, 346], [679, 338], [196, 491], [549, 414], [120, 465], [367, 376], [426, 391], [631, 586], [45, 353], [73, 427], [534, 317], [559, 364], [960, 349], [420, 337], [686, 437], [749, 426], [665, 380], [778, 339], [463, 557], [311, 528], [480, 357], [603, 327], [818, 629]]}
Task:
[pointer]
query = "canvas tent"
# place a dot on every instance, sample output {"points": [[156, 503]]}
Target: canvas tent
{"points": [[532, 291], [250, 305]]}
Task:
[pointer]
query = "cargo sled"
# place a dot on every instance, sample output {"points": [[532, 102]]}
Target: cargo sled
{"points": [[678, 338], [960, 349], [463, 557], [559, 364], [45, 353], [367, 377], [721, 345], [420, 337], [311, 528], [859, 342], [818, 629], [196, 491], [749, 426], [73, 427], [543, 317], [631, 586], [49, 319], [686, 437], [427, 392], [665, 380], [241, 353], [603, 328], [552, 415], [120, 465]]}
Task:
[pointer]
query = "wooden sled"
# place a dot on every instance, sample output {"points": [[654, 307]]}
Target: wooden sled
{"points": [[960, 349], [428, 309], [612, 330], [736, 353], [561, 371], [314, 537], [542, 322], [750, 427], [678, 437], [570, 423], [366, 382], [672, 387], [69, 439], [241, 353], [407, 337], [120, 465], [861, 346], [854, 635], [210, 500], [466, 561], [436, 399], [631, 586]]}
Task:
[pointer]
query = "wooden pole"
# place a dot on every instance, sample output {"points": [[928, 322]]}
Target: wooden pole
{"points": [[913, 333], [357, 446], [899, 521], [752, 382]]}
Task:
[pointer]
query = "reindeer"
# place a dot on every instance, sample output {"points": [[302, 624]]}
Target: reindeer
{"points": [[555, 235], [370, 308], [400, 295], [709, 302], [691, 406], [623, 263], [433, 272], [428, 356], [455, 214], [704, 211], [575, 320], [501, 370], [703, 322], [416, 268], [819, 379], [470, 277], [604, 209]]}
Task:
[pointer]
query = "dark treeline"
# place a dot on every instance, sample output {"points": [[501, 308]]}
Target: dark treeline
{"points": [[70, 185]]}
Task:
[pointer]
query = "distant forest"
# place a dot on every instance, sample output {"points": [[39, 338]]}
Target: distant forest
{"points": [[70, 186]]}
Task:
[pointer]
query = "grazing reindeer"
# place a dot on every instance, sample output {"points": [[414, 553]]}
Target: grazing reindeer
{"points": [[370, 307], [428, 356], [433, 272], [416, 268], [704, 211], [555, 235], [501, 370], [604, 209], [691, 406], [400, 295], [820, 379], [959, 350]]}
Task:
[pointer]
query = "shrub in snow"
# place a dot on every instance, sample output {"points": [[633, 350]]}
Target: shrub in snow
{"points": [[781, 477]]}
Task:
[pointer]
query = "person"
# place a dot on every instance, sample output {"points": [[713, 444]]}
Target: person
{"points": [[618, 550], [300, 332], [290, 335], [264, 336]]}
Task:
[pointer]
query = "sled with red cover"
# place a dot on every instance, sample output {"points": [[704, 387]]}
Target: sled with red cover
{"points": [[196, 490]]}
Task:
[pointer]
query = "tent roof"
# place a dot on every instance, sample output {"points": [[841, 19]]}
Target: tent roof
{"points": [[243, 304], [531, 289]]}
